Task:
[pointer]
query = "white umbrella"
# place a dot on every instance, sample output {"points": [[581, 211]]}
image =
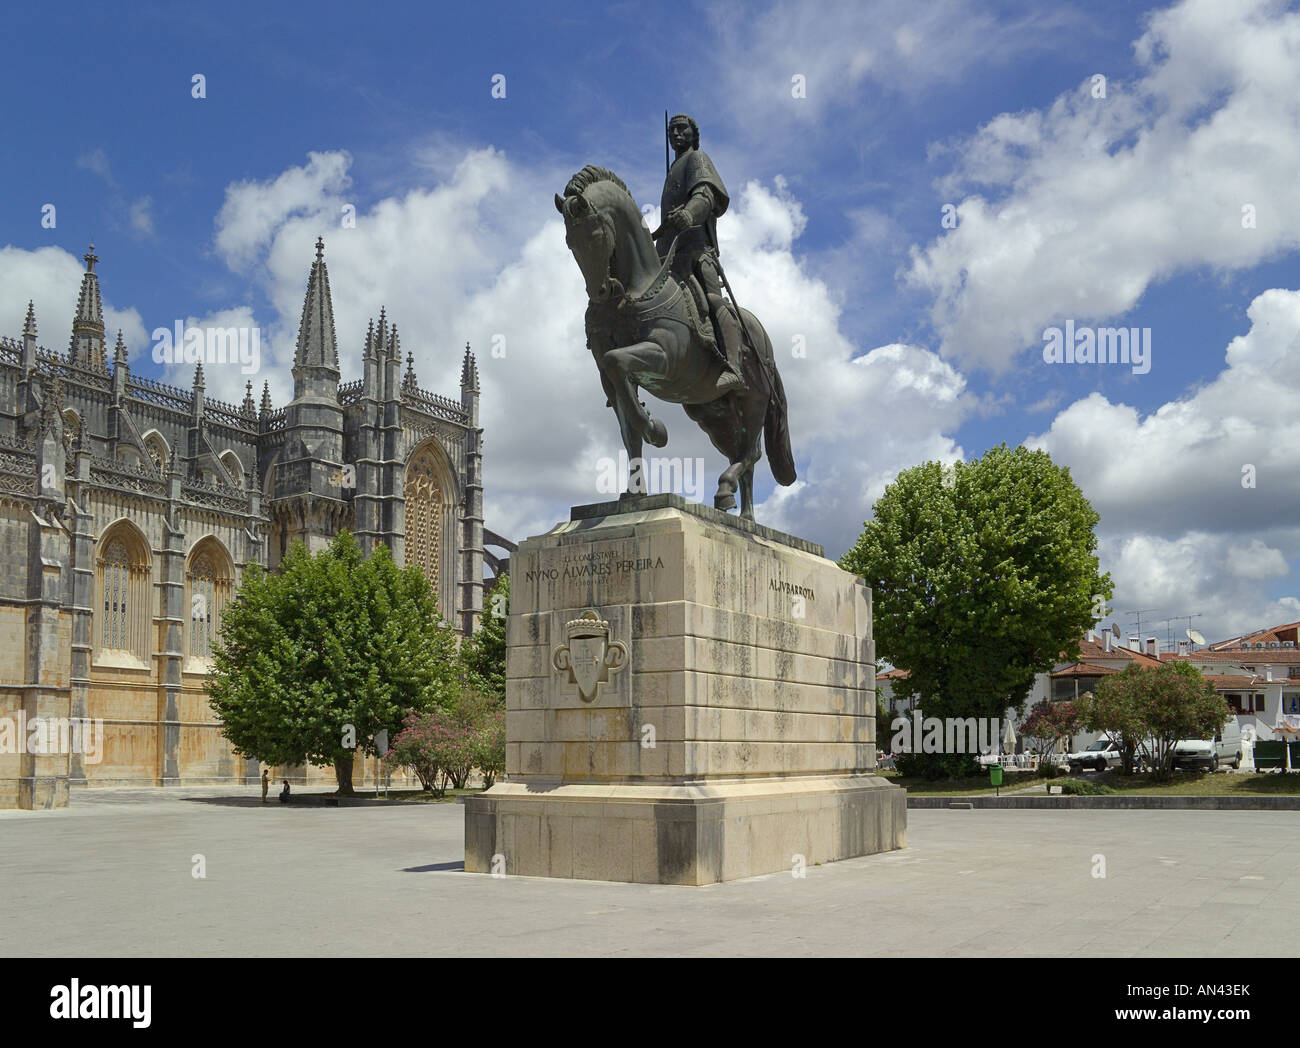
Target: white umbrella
{"points": [[1008, 737]]}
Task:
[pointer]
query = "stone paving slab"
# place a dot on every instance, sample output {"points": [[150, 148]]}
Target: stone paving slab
{"points": [[111, 875]]}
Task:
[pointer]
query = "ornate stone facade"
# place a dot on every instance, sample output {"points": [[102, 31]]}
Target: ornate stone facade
{"points": [[129, 510]]}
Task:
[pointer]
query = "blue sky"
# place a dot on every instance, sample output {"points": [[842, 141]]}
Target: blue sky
{"points": [[1108, 211]]}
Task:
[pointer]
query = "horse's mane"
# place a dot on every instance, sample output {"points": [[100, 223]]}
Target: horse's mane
{"points": [[589, 176]]}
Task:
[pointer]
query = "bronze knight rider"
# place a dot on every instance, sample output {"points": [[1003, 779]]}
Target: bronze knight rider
{"points": [[693, 199]]}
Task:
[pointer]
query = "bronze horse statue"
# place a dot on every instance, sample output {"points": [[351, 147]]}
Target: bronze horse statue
{"points": [[645, 330]]}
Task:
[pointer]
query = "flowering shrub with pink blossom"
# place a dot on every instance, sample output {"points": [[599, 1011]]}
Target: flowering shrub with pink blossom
{"points": [[437, 747], [444, 745]]}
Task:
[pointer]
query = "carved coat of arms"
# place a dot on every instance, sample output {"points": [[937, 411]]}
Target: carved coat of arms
{"points": [[590, 657]]}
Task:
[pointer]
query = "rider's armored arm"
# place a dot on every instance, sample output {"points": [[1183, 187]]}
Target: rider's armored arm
{"points": [[699, 208]]}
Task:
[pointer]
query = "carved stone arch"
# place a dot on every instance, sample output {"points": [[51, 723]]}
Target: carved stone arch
{"points": [[268, 478], [209, 584], [122, 608], [234, 467], [430, 541], [160, 452], [495, 563]]}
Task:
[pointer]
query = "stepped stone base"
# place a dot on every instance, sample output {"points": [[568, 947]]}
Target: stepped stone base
{"points": [[690, 698], [681, 834]]}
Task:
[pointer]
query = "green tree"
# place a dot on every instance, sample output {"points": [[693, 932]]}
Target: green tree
{"points": [[1112, 711], [484, 654], [1152, 707], [982, 574], [316, 659], [490, 748]]}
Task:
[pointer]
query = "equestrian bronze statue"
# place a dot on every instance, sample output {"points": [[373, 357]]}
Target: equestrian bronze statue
{"points": [[655, 317]]}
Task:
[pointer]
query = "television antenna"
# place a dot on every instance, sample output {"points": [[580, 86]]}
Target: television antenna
{"points": [[1195, 636], [1169, 629], [1139, 613]]}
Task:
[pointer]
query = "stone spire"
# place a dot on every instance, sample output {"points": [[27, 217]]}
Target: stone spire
{"points": [[381, 332], [317, 347], [471, 536], [409, 380], [469, 371], [249, 407], [29, 339], [266, 398], [198, 375], [119, 350], [87, 346]]}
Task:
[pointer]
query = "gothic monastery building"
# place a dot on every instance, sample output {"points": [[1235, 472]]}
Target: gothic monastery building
{"points": [[129, 510]]}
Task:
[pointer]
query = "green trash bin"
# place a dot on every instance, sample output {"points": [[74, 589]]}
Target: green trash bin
{"points": [[995, 774]]}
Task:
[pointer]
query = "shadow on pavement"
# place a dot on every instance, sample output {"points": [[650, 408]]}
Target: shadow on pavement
{"points": [[437, 867]]}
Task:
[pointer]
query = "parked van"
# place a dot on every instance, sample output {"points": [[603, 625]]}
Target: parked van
{"points": [[1205, 754]]}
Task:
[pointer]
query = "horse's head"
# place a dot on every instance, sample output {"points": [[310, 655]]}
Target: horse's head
{"points": [[600, 218], [590, 236]]}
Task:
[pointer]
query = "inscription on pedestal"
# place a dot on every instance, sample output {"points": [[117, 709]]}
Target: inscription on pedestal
{"points": [[599, 565]]}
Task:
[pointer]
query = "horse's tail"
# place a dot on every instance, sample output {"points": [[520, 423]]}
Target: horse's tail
{"points": [[776, 427]]}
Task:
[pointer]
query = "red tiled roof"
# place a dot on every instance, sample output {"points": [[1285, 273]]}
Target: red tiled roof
{"points": [[1232, 682], [1095, 649], [1084, 669], [1287, 631], [892, 674]]}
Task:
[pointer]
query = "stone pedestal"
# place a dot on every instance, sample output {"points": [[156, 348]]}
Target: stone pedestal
{"points": [[690, 698]]}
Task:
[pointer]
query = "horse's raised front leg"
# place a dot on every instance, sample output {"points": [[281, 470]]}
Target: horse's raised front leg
{"points": [[625, 410], [624, 365]]}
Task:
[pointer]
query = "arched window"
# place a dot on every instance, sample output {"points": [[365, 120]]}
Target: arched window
{"points": [[117, 595], [209, 583], [159, 453], [234, 467], [122, 611], [429, 522]]}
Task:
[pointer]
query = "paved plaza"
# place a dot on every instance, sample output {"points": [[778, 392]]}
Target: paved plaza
{"points": [[111, 875]]}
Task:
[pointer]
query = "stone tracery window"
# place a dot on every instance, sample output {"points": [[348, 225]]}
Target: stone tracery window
{"points": [[425, 510], [156, 448], [123, 614], [117, 590], [202, 605], [209, 586]]}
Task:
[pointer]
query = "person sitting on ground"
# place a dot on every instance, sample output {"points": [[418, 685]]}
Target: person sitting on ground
{"points": [[284, 793]]}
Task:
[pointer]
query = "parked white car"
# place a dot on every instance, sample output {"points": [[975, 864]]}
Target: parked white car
{"points": [[1102, 754], [1206, 754]]}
